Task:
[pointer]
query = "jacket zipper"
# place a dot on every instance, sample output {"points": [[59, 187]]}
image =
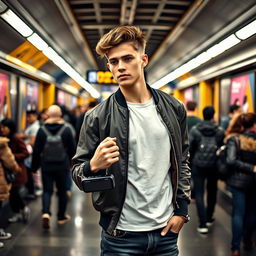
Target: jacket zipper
{"points": [[176, 206]]}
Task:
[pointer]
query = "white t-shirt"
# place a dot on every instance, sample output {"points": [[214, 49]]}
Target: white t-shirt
{"points": [[148, 202]]}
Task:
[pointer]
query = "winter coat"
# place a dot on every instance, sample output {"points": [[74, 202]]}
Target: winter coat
{"points": [[7, 159], [20, 152], [241, 158]]}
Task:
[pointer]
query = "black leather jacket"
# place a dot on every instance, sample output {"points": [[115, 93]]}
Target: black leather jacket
{"points": [[111, 118], [241, 157]]}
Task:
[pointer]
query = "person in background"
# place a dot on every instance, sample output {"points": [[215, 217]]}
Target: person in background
{"points": [[139, 135], [7, 160], [56, 170], [42, 116], [20, 152], [205, 138], [80, 119], [241, 157], [29, 136], [234, 110], [192, 119]]}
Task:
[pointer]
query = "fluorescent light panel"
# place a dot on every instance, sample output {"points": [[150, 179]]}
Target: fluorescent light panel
{"points": [[37, 41], [247, 31], [12, 19]]}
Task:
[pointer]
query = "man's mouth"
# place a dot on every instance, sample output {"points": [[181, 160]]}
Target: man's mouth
{"points": [[123, 76]]}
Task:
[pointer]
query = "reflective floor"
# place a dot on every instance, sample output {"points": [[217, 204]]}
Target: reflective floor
{"points": [[81, 236]]}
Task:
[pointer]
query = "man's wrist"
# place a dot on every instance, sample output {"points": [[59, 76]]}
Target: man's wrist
{"points": [[186, 218]]}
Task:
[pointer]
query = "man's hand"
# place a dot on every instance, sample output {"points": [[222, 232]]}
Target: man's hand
{"points": [[105, 155], [174, 225]]}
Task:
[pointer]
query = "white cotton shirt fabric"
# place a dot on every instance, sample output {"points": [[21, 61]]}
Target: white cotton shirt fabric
{"points": [[148, 202]]}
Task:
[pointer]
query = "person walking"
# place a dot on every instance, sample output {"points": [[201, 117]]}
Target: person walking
{"points": [[241, 157], [54, 147], [205, 138], [139, 135]]}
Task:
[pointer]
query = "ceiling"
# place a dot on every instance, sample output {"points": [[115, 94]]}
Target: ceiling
{"points": [[176, 30]]}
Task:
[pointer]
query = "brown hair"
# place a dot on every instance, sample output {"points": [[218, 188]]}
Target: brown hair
{"points": [[241, 122], [118, 35]]}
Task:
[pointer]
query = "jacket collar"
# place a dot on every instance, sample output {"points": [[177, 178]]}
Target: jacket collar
{"points": [[121, 99]]}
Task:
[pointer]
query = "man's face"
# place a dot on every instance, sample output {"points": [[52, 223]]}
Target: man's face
{"points": [[31, 118], [127, 64]]}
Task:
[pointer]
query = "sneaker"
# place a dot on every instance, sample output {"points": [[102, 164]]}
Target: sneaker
{"points": [[1, 245], [4, 235], [25, 214], [210, 222], [46, 221], [65, 220], [203, 230], [235, 253], [15, 218]]}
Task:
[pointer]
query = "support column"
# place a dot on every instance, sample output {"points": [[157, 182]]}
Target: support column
{"points": [[48, 95], [179, 94], [216, 99], [205, 96]]}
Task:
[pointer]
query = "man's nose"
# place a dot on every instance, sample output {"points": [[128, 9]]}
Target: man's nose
{"points": [[121, 66]]}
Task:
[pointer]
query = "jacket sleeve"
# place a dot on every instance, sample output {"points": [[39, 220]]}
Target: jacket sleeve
{"points": [[233, 156], [8, 160], [87, 144], [183, 192]]}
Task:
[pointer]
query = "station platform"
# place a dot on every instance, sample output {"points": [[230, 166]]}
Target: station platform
{"points": [[81, 235]]}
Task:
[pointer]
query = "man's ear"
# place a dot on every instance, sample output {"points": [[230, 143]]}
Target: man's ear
{"points": [[144, 58]]}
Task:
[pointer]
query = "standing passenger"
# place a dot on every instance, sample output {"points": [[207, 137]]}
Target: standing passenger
{"points": [[192, 119], [241, 156], [54, 160], [140, 135]]}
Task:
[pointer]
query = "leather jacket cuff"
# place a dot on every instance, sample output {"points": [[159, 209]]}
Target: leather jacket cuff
{"points": [[181, 208], [87, 170]]}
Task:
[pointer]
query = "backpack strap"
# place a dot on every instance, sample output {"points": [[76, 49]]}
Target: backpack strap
{"points": [[48, 133]]}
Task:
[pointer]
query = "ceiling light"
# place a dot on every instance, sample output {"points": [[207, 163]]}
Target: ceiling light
{"points": [[37, 41], [12, 19], [223, 46], [247, 31]]}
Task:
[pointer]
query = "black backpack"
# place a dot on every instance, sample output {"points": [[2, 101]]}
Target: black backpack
{"points": [[205, 155], [54, 150]]}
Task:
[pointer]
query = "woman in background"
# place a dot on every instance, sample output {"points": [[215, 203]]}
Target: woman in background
{"points": [[241, 156], [7, 160], [19, 150]]}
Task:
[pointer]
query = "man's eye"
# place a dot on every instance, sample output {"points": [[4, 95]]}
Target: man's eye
{"points": [[127, 59], [113, 62]]}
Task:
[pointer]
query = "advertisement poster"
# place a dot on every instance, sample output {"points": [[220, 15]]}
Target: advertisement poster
{"points": [[61, 97], [32, 95], [188, 95], [3, 95], [238, 89]]}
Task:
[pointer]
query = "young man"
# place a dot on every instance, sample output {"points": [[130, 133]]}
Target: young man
{"points": [[140, 136], [192, 119]]}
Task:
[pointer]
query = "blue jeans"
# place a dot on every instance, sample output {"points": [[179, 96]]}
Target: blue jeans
{"points": [[48, 179], [243, 216], [139, 244], [200, 176]]}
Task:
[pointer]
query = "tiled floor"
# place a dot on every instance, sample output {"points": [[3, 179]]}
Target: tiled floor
{"points": [[81, 236]]}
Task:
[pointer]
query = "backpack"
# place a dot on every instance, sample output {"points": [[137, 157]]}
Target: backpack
{"points": [[54, 150], [205, 156]]}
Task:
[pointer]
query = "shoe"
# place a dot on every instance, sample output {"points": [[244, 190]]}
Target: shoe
{"points": [[65, 220], [210, 222], [4, 235], [15, 218], [25, 214], [203, 230], [1, 245], [235, 253], [46, 221]]}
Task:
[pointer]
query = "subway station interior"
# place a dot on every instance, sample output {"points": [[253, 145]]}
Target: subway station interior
{"points": [[199, 50]]}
